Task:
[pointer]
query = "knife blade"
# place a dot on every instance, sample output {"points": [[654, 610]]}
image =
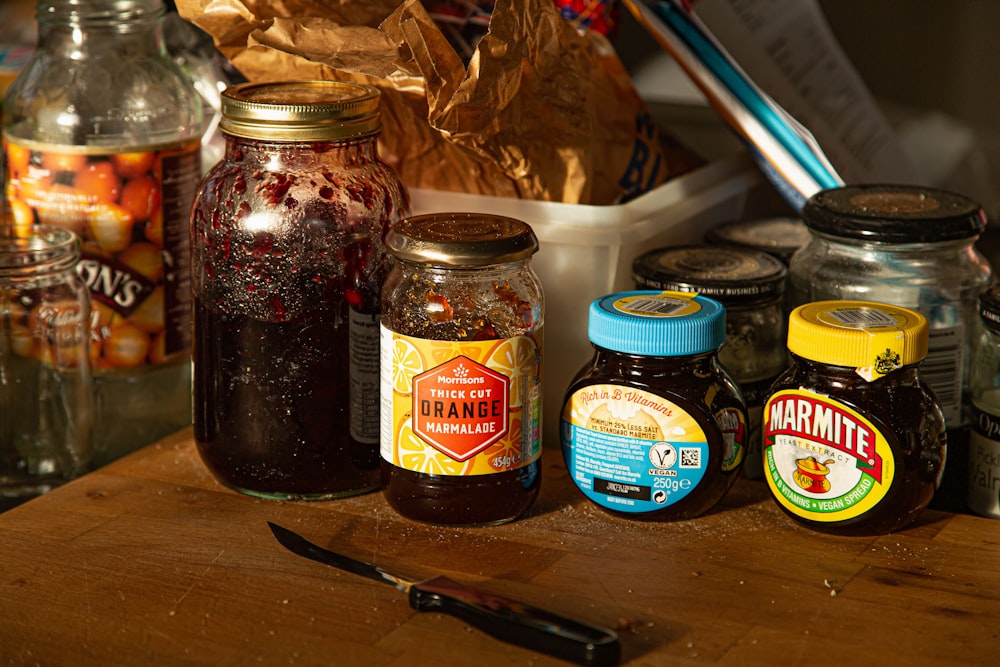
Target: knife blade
{"points": [[504, 619]]}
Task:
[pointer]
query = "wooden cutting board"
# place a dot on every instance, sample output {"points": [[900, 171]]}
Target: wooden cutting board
{"points": [[150, 562]]}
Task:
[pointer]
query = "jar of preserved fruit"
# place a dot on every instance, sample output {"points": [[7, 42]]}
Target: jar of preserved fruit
{"points": [[914, 247], [462, 316], [46, 397], [102, 136], [984, 403], [854, 440], [653, 427], [289, 260], [751, 286]]}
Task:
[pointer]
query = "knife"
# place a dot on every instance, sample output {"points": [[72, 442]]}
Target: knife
{"points": [[507, 620]]}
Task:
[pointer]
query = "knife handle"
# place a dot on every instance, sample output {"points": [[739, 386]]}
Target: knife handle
{"points": [[518, 623]]}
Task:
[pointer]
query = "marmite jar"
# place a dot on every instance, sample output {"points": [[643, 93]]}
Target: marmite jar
{"points": [[854, 439], [653, 426], [461, 351], [751, 286]]}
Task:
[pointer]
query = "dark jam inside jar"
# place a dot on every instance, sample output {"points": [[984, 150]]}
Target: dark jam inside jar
{"points": [[482, 304], [274, 418], [696, 385], [287, 240], [905, 413], [479, 500]]}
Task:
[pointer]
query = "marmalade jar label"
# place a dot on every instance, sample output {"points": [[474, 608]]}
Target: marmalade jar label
{"points": [[632, 450], [131, 211], [823, 460], [460, 407]]}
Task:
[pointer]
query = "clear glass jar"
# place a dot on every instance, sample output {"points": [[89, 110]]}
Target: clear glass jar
{"points": [[984, 404], [854, 439], [462, 317], [653, 426], [46, 398], [780, 237], [289, 261], [101, 136], [914, 247], [751, 286]]}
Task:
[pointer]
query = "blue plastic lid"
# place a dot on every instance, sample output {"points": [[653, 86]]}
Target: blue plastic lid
{"points": [[658, 324]]}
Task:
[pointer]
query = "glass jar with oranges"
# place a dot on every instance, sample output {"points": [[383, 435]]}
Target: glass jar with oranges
{"points": [[102, 137]]}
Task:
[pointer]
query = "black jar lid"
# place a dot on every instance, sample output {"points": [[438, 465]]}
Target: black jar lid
{"points": [[778, 236], [730, 274], [989, 308], [894, 214]]}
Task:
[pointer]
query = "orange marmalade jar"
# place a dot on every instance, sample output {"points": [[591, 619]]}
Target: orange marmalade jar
{"points": [[462, 315]]}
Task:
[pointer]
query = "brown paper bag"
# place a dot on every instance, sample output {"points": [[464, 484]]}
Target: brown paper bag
{"points": [[542, 111]]}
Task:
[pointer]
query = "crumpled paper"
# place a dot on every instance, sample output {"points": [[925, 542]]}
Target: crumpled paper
{"points": [[542, 111]]}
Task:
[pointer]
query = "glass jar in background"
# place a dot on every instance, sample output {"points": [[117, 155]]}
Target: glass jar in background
{"points": [[914, 247], [45, 381], [101, 136], [289, 261], [751, 286], [780, 237], [461, 357], [984, 405]]}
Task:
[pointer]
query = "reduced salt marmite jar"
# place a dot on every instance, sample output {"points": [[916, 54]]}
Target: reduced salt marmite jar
{"points": [[854, 439], [751, 286], [653, 426], [289, 258], [462, 316]]}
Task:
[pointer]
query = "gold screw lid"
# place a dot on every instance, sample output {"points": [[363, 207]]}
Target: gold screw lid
{"points": [[858, 334], [300, 111], [459, 240]]}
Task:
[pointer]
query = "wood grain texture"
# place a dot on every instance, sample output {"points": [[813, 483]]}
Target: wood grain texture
{"points": [[150, 562]]}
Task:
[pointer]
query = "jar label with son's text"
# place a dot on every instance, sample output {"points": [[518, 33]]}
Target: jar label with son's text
{"points": [[130, 211], [460, 408]]}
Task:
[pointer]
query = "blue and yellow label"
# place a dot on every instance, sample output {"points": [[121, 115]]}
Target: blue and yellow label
{"points": [[630, 450]]}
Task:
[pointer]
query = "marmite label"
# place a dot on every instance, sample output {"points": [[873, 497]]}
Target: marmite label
{"points": [[633, 451], [823, 460], [460, 408]]}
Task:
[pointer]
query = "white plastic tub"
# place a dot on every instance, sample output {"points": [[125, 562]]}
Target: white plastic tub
{"points": [[587, 251]]}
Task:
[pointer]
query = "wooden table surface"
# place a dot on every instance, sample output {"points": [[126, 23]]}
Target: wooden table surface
{"points": [[149, 561]]}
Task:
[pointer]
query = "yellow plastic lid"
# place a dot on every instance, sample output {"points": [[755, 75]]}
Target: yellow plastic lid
{"points": [[858, 334]]}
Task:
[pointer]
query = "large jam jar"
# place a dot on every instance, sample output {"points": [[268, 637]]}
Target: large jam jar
{"points": [[289, 259]]}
